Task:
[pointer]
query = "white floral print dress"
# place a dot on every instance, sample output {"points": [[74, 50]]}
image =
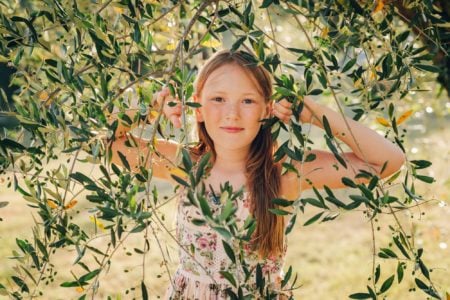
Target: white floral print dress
{"points": [[202, 256]]}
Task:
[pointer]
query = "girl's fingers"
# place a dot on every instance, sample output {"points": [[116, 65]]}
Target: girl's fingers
{"points": [[283, 117], [281, 108], [159, 96], [176, 121], [173, 113], [285, 103]]}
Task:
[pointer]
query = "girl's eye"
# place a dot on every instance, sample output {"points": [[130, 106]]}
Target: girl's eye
{"points": [[217, 99], [248, 101]]}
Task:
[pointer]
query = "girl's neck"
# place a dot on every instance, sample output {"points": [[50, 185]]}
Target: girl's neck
{"points": [[230, 161]]}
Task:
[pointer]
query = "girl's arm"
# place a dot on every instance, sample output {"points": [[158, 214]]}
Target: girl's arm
{"points": [[369, 150], [136, 150]]}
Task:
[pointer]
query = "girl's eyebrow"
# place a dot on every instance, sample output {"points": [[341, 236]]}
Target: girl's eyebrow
{"points": [[220, 92]]}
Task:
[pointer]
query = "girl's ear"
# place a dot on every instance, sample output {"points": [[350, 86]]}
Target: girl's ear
{"points": [[198, 112], [269, 108]]}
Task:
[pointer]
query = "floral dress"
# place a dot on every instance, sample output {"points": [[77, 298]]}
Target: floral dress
{"points": [[203, 257]]}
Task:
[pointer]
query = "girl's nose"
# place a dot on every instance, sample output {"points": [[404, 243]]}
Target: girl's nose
{"points": [[232, 111]]}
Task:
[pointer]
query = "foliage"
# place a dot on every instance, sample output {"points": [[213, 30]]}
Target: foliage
{"points": [[76, 62]]}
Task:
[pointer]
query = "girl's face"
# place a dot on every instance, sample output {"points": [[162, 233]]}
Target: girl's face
{"points": [[232, 107]]}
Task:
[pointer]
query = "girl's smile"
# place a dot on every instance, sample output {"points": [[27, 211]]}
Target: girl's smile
{"points": [[232, 129]]}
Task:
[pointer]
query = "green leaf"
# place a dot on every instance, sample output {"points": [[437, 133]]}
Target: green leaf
{"points": [[421, 164], [21, 284], [308, 79], [313, 219], [421, 284], [8, 120], [187, 161], [335, 152], [290, 225], [389, 252], [259, 278], [377, 273], [428, 68], [348, 182], [238, 43], [228, 276], [327, 127], [279, 212], [193, 104], [348, 65], [287, 276], [315, 92], [227, 210], [201, 166], [144, 291], [229, 251], [427, 289], [83, 179], [424, 269], [282, 202], [402, 36], [223, 232], [266, 3], [198, 222], [335, 201], [89, 276], [124, 161], [387, 284], [400, 246], [399, 272], [424, 178], [314, 202], [73, 284], [180, 180], [137, 33], [373, 183], [310, 157], [204, 206], [284, 91], [360, 296]]}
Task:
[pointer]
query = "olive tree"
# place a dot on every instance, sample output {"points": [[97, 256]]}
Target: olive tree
{"points": [[75, 63]]}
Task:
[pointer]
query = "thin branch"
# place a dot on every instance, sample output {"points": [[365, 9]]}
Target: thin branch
{"points": [[103, 7]]}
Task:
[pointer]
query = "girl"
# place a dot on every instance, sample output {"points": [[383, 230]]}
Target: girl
{"points": [[235, 94]]}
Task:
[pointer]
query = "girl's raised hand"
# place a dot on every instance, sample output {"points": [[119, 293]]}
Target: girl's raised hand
{"points": [[282, 110], [171, 112]]}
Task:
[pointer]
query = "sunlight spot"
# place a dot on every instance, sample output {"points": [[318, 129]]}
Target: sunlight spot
{"points": [[429, 109], [447, 105], [442, 204], [414, 150], [443, 245], [419, 242]]}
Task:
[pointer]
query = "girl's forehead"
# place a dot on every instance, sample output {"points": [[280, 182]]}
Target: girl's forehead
{"points": [[234, 76]]}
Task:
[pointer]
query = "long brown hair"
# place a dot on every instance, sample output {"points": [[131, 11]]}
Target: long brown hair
{"points": [[263, 175]]}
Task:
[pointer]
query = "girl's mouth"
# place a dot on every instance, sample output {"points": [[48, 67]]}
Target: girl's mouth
{"points": [[231, 129]]}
